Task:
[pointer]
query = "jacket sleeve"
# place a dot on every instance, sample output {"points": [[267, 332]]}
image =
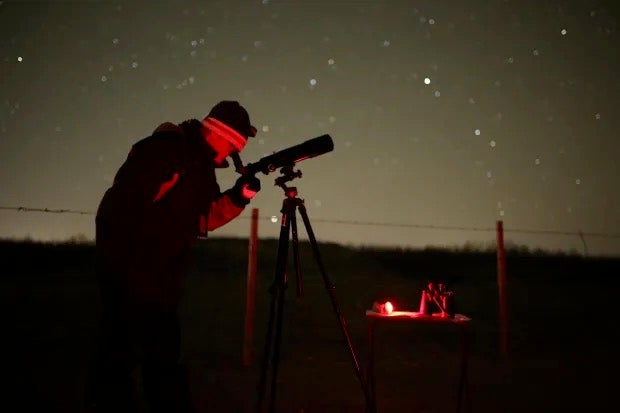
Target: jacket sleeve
{"points": [[225, 207]]}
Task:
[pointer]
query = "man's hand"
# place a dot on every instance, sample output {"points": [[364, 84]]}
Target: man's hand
{"points": [[248, 186]]}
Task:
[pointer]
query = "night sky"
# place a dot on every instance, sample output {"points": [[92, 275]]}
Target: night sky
{"points": [[443, 113]]}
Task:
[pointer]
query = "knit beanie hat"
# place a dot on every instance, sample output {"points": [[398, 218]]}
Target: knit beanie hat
{"points": [[233, 115]]}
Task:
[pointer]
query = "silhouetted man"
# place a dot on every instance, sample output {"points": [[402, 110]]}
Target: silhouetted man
{"points": [[163, 196]]}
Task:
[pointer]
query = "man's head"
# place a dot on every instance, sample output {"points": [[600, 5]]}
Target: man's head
{"points": [[229, 128]]}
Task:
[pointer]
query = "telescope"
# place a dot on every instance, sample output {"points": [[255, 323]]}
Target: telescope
{"points": [[285, 160], [286, 157]]}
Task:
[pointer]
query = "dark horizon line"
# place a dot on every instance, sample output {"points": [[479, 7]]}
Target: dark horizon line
{"points": [[467, 247]]}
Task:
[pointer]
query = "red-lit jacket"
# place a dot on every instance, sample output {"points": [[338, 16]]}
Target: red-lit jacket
{"points": [[163, 197]]}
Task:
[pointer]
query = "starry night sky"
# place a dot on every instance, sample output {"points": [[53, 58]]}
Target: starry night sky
{"points": [[443, 113]]}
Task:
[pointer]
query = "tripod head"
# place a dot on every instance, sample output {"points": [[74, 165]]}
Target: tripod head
{"points": [[288, 174]]}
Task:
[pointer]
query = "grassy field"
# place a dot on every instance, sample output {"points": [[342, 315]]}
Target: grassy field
{"points": [[563, 350]]}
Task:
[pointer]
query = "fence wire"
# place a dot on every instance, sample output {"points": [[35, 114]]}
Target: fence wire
{"points": [[367, 223]]}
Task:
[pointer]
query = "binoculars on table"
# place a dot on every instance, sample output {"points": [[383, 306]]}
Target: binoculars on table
{"points": [[436, 299]]}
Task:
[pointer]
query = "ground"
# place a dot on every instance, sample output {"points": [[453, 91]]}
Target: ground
{"points": [[562, 345]]}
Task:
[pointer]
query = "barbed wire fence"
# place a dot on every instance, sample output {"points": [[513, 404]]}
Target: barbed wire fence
{"points": [[581, 234]]}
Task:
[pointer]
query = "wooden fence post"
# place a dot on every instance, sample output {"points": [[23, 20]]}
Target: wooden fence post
{"points": [[502, 291], [248, 336]]}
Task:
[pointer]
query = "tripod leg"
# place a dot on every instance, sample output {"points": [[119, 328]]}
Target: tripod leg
{"points": [[275, 360], [272, 352], [275, 317], [330, 287], [262, 384], [296, 260]]}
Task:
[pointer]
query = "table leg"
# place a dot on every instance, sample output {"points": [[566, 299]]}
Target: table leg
{"points": [[463, 375], [370, 380]]}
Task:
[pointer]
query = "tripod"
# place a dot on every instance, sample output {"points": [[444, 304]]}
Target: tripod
{"points": [[273, 337]]}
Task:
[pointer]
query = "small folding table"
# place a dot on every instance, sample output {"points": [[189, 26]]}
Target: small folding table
{"points": [[459, 320]]}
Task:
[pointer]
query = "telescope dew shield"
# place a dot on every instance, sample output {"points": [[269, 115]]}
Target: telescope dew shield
{"points": [[290, 156]]}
